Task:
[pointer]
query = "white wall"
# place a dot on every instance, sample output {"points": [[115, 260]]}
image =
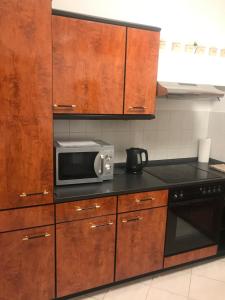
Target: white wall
{"points": [[179, 124]]}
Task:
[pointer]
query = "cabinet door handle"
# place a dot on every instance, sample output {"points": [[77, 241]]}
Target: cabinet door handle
{"points": [[101, 225], [34, 194], [132, 220], [78, 208], [64, 106], [36, 236], [144, 200], [138, 107]]}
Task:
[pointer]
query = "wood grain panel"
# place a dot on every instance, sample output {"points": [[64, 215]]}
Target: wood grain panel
{"points": [[141, 71], [88, 66], [26, 102], [26, 217], [140, 242], [85, 209], [26, 162], [143, 200], [85, 255], [26, 59], [27, 266], [189, 256]]}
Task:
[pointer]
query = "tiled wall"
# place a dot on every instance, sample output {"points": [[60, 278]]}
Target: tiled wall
{"points": [[173, 134]]}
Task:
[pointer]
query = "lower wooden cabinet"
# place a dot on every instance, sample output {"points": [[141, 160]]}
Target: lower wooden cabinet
{"points": [[27, 264], [85, 252], [140, 242]]}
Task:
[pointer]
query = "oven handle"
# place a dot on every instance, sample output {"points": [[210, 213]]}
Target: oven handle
{"points": [[196, 202]]}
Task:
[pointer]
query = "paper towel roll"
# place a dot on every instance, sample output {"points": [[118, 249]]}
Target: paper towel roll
{"points": [[204, 150]]}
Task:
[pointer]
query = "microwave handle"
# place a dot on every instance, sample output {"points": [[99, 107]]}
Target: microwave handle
{"points": [[99, 164]]}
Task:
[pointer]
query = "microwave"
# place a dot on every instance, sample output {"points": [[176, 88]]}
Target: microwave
{"points": [[83, 161]]}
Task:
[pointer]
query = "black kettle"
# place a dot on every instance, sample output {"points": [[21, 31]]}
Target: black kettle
{"points": [[134, 159]]}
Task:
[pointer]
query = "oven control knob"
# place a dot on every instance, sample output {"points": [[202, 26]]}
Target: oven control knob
{"points": [[175, 196], [209, 190], [204, 191], [181, 195], [219, 189]]}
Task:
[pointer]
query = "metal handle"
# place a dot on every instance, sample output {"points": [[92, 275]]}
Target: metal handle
{"points": [[34, 194], [101, 225], [78, 208], [37, 236], [132, 220], [101, 170], [67, 106], [138, 107], [143, 200]]}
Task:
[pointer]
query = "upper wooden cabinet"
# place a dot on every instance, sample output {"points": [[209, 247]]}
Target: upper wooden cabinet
{"points": [[141, 71], [101, 68], [88, 66], [26, 162]]}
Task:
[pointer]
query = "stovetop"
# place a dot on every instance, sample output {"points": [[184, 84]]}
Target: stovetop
{"points": [[180, 173]]}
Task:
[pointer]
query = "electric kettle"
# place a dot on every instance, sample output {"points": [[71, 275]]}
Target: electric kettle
{"points": [[135, 161]]}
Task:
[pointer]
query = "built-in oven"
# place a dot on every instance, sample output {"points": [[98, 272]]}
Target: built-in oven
{"points": [[194, 217]]}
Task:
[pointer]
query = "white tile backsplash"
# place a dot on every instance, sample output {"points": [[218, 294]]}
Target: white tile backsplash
{"points": [[173, 134]]}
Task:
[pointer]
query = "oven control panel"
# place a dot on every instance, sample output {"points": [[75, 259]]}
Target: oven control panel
{"points": [[198, 191]]}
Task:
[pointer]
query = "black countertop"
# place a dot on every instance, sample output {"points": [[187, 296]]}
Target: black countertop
{"points": [[124, 183]]}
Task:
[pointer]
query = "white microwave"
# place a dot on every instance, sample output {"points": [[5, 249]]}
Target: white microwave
{"points": [[83, 161]]}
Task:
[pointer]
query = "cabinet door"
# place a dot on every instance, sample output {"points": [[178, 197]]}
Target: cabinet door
{"points": [[26, 59], [27, 264], [85, 254], [88, 66], [140, 242], [26, 103], [141, 71]]}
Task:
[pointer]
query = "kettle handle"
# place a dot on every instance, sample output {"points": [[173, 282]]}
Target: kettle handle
{"points": [[146, 157]]}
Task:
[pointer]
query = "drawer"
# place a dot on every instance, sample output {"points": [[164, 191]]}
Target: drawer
{"points": [[22, 218], [142, 200], [85, 209]]}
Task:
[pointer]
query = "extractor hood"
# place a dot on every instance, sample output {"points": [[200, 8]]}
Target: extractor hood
{"points": [[181, 91]]}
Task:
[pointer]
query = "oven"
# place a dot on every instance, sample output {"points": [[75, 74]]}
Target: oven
{"points": [[194, 217]]}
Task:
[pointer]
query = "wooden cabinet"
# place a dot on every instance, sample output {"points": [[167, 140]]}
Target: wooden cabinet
{"points": [[142, 200], [101, 68], [88, 66], [78, 210], [140, 242], [85, 254], [141, 71], [26, 103], [27, 264]]}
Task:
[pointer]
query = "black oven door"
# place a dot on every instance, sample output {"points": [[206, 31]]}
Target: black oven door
{"points": [[193, 224]]}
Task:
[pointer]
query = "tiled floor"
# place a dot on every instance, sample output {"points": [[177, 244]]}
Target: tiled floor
{"points": [[199, 281]]}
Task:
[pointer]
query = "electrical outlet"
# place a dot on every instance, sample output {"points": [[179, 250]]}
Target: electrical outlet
{"points": [[222, 52], [189, 48], [176, 47], [162, 45], [213, 51]]}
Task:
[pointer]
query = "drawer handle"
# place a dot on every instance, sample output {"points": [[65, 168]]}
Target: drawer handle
{"points": [[78, 208], [34, 194], [138, 107], [64, 106], [132, 220], [37, 236], [101, 225], [144, 200]]}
